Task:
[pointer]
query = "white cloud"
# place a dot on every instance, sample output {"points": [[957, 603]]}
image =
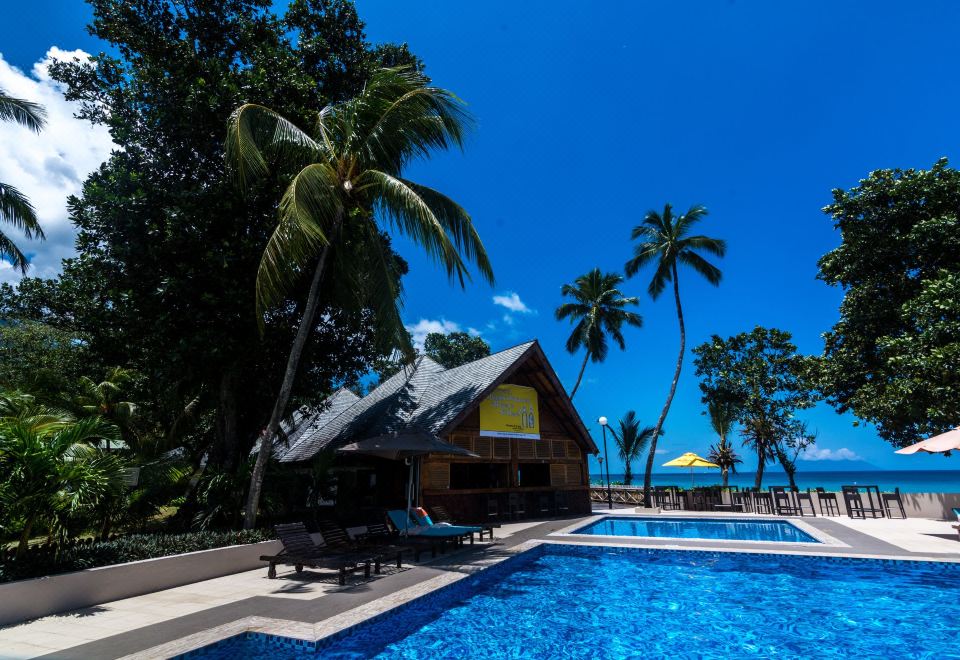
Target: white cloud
{"points": [[661, 451], [508, 319], [512, 302], [424, 327], [825, 454], [473, 332], [48, 167]]}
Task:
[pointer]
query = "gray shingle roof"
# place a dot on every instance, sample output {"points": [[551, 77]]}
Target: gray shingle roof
{"points": [[422, 397], [304, 421]]}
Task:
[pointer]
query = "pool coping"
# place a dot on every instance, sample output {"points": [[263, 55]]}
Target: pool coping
{"points": [[822, 538], [327, 629]]}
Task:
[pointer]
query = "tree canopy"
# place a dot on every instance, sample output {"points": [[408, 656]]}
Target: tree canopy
{"points": [[168, 249], [452, 350], [893, 358]]}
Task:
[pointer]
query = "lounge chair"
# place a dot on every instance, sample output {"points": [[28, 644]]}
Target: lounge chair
{"points": [[441, 515], [336, 538], [956, 512], [299, 551], [426, 525], [378, 535], [411, 531]]}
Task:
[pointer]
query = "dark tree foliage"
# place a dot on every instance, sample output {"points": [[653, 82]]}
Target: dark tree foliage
{"points": [[167, 247], [454, 349], [893, 358], [762, 379]]}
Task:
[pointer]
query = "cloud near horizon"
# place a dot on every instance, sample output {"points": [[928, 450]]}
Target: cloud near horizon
{"points": [[826, 454], [50, 166]]}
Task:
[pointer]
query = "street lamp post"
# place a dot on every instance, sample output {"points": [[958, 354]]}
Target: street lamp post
{"points": [[603, 425]]}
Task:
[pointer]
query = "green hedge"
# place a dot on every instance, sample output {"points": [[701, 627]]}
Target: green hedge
{"points": [[118, 551]]}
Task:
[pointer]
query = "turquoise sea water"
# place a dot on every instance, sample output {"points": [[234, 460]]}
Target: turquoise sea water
{"points": [[693, 528], [592, 602], [909, 481]]}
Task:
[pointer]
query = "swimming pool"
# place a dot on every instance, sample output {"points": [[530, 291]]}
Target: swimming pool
{"points": [[586, 601], [736, 529]]}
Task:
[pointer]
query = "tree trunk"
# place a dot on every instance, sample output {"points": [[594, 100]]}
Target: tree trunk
{"points": [[226, 451], [761, 461], [725, 473], [25, 535], [279, 407], [580, 375], [673, 390], [627, 474]]}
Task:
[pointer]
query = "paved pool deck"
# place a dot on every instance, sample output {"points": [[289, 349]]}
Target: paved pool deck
{"points": [[311, 604]]}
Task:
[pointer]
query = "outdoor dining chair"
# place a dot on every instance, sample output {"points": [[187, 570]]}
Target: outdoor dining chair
{"points": [[827, 501]]}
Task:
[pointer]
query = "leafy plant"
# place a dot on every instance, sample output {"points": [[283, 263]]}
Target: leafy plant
{"points": [[631, 441], [15, 208]]}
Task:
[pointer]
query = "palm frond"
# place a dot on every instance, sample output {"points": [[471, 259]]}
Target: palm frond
{"points": [[710, 272], [10, 251], [255, 133], [309, 207], [715, 246], [26, 113], [16, 209]]}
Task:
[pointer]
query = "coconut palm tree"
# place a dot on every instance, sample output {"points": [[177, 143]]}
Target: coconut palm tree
{"points": [[50, 472], [15, 208], [346, 177], [598, 310], [631, 441], [722, 418], [665, 240], [105, 399]]}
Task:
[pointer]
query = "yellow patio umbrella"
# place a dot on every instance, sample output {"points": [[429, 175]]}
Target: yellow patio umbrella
{"points": [[690, 460]]}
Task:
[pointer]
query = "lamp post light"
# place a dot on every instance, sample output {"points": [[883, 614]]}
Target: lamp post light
{"points": [[603, 425]]}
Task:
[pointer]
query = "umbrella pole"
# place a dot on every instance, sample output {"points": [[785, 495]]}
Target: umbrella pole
{"points": [[406, 521]]}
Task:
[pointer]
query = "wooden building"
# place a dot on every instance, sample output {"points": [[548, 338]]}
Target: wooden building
{"points": [[508, 408]]}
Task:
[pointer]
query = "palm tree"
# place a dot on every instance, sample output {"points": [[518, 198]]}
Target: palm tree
{"points": [[105, 399], [346, 176], [598, 310], [666, 241], [51, 472], [722, 418], [631, 441], [15, 208]]}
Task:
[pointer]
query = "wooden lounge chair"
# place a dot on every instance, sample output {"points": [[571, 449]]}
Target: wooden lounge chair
{"points": [[299, 551], [378, 535], [336, 538], [440, 514]]}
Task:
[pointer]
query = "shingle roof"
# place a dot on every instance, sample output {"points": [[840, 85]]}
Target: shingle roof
{"points": [[424, 397], [305, 421]]}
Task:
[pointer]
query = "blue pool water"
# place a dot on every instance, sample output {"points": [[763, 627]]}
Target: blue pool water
{"points": [[699, 528], [590, 602]]}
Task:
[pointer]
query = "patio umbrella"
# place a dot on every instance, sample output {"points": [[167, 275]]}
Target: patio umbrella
{"points": [[690, 460], [409, 446], [938, 444]]}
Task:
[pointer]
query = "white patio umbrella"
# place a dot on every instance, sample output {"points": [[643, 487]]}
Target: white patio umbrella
{"points": [[937, 444]]}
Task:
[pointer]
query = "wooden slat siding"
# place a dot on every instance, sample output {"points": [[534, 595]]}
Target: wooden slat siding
{"points": [[462, 440], [558, 474], [484, 447], [573, 451], [526, 449], [573, 474], [501, 447], [543, 449], [436, 475], [559, 449]]}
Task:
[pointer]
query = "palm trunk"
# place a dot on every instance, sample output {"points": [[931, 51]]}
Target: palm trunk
{"points": [[580, 375], [25, 535], [627, 474], [279, 407], [725, 473], [673, 390]]}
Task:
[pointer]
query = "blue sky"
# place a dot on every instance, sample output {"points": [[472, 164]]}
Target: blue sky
{"points": [[591, 113]]}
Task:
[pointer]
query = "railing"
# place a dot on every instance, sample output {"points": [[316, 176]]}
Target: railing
{"points": [[630, 495]]}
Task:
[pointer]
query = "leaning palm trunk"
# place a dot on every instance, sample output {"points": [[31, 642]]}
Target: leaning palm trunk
{"points": [[580, 375], [725, 475], [283, 398], [761, 460], [673, 390]]}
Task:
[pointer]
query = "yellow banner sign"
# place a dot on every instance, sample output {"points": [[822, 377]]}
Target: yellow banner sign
{"points": [[510, 412]]}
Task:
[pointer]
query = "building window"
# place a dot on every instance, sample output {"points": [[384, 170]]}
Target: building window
{"points": [[533, 475], [465, 476]]}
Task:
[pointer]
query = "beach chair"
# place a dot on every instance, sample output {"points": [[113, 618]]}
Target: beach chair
{"points": [[856, 507], [299, 551], [956, 512], [889, 499], [783, 502], [441, 515], [336, 538], [827, 501], [420, 526], [377, 535]]}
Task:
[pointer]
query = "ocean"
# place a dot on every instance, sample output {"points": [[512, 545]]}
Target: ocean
{"points": [[908, 481]]}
